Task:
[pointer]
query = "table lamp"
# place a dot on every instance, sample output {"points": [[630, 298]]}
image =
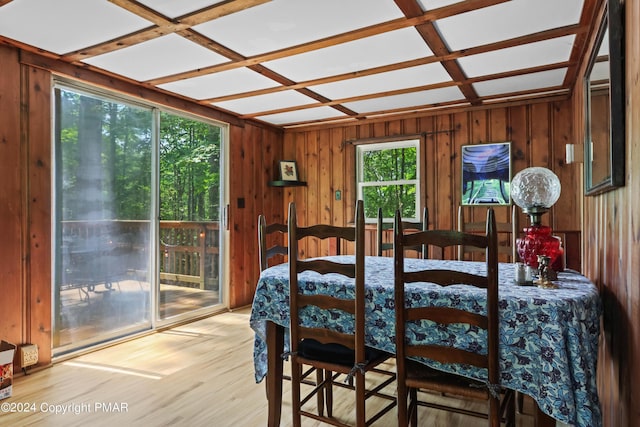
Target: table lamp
{"points": [[535, 190]]}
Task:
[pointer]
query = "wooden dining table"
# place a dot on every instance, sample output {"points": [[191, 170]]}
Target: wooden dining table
{"points": [[548, 337]]}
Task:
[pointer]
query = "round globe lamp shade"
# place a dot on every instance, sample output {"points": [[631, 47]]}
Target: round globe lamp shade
{"points": [[535, 190]]}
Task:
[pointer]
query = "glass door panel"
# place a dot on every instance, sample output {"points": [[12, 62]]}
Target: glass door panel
{"points": [[102, 219], [190, 211]]}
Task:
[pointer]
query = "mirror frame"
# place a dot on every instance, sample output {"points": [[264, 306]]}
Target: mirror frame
{"points": [[614, 19]]}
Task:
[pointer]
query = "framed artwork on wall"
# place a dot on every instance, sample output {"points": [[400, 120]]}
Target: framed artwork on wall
{"points": [[486, 174], [288, 170]]}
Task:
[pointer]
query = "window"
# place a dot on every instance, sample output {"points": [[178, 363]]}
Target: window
{"points": [[388, 178]]}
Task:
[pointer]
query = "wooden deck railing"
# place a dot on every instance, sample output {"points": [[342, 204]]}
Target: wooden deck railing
{"points": [[189, 250], [189, 253]]}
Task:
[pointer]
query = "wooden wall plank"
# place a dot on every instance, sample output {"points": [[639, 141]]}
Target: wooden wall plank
{"points": [[337, 178], [324, 185], [517, 134], [236, 256], [11, 200], [631, 217], [38, 274]]}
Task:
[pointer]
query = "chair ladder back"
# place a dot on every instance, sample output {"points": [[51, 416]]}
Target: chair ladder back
{"points": [[355, 270], [409, 226], [266, 252], [508, 230], [486, 320]]}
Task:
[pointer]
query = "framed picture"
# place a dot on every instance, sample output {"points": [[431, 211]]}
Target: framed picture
{"points": [[486, 174], [288, 170]]}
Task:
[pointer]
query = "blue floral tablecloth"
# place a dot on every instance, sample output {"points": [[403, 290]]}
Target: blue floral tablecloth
{"points": [[548, 337]]}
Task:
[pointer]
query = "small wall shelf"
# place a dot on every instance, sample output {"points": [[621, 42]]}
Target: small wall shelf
{"points": [[280, 183]]}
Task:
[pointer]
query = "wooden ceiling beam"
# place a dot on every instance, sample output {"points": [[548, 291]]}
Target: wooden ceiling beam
{"points": [[218, 10], [121, 42], [372, 30], [530, 38], [541, 36], [465, 82], [162, 25], [409, 113]]}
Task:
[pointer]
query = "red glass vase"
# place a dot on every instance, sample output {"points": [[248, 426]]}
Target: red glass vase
{"points": [[539, 241]]}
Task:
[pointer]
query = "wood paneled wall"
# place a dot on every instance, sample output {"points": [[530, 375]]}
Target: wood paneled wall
{"points": [[612, 256], [538, 133], [25, 204], [254, 153]]}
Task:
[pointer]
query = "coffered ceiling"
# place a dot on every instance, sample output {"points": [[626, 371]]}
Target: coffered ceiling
{"points": [[297, 62]]}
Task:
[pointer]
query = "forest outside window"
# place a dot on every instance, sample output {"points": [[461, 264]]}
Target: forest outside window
{"points": [[388, 178]]}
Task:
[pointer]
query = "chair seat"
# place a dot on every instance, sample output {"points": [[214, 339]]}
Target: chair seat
{"points": [[422, 376], [336, 353]]}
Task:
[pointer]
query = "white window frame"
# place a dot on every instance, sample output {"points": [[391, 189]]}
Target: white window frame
{"points": [[390, 145]]}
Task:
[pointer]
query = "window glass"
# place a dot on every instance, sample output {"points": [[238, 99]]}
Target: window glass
{"points": [[103, 216], [388, 178]]}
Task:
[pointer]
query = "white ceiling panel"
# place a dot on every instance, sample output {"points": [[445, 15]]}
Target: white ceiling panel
{"points": [[435, 4], [518, 57], [266, 102], [149, 60], [383, 49], [305, 115], [600, 71], [64, 26], [283, 23], [520, 83], [220, 84], [399, 79], [506, 21], [174, 9], [426, 97]]}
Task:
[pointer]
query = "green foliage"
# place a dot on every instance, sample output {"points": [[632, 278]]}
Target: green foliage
{"points": [[104, 162], [189, 169], [384, 178], [104, 152]]}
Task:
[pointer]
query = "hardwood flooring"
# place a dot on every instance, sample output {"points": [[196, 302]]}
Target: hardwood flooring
{"points": [[198, 374]]}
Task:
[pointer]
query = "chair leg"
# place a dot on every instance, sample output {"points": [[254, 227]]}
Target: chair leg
{"points": [[360, 400], [511, 411], [328, 389], [296, 373], [520, 401], [320, 393], [401, 404], [413, 407]]}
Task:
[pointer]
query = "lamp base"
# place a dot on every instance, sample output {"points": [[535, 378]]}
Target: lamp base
{"points": [[539, 241]]}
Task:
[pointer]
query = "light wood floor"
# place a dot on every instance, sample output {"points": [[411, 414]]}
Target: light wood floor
{"points": [[200, 374]]}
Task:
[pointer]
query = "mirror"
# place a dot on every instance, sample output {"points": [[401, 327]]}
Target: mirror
{"points": [[604, 101]]}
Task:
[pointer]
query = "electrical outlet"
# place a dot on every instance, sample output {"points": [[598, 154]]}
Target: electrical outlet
{"points": [[28, 355]]}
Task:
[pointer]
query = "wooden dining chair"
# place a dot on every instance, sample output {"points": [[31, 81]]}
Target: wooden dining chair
{"points": [[266, 252], [335, 351], [408, 226], [506, 246], [412, 375]]}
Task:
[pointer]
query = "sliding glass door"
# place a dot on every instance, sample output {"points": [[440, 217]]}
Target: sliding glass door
{"points": [[103, 218], [137, 240], [190, 232]]}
